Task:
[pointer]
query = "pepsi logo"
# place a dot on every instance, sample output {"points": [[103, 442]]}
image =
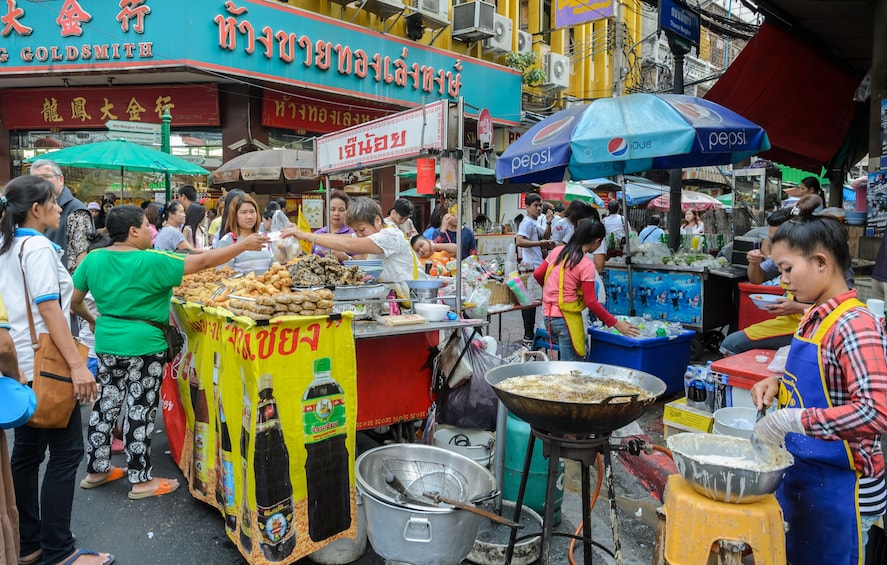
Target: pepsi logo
{"points": [[617, 146], [697, 112], [551, 130]]}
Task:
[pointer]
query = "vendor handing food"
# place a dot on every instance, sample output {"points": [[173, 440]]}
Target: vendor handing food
{"points": [[832, 398], [371, 240], [567, 280]]}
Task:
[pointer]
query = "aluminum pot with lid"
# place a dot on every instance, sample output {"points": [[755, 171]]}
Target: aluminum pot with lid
{"points": [[406, 530]]}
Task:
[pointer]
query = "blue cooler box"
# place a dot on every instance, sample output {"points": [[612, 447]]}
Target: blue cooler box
{"points": [[666, 358]]}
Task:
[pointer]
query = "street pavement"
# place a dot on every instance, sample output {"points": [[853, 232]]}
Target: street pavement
{"points": [[177, 529]]}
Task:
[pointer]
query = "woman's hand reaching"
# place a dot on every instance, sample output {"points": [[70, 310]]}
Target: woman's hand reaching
{"points": [[626, 329], [255, 242]]}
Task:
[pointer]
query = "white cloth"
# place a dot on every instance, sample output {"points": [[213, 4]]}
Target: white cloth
{"points": [[398, 259], [530, 229], [562, 230], [47, 280], [249, 261], [614, 225], [699, 229]]}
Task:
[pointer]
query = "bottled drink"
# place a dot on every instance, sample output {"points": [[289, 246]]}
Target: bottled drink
{"points": [[274, 491], [225, 467], [246, 526], [220, 479], [200, 472], [326, 466], [193, 380]]}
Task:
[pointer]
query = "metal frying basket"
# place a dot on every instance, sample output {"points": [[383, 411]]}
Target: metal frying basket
{"points": [[425, 476]]}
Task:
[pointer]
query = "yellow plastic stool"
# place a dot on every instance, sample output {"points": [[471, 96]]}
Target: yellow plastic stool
{"points": [[693, 523]]}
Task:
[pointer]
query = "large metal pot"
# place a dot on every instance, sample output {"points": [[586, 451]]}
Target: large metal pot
{"points": [[582, 418], [403, 530]]}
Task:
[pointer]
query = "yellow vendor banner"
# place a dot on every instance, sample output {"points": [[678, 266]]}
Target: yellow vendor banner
{"points": [[269, 440]]}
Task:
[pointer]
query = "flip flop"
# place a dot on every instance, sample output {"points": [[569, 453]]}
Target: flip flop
{"points": [[114, 474], [81, 552], [32, 561], [165, 487]]}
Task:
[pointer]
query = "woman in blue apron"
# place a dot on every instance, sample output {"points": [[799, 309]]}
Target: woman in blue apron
{"points": [[832, 398], [567, 278]]}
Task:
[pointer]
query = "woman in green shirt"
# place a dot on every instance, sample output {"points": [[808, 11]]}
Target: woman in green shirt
{"points": [[132, 285]]}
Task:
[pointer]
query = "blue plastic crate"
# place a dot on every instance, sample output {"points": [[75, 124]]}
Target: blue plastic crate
{"points": [[666, 358]]}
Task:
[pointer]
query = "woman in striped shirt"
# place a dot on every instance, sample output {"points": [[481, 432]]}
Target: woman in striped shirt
{"points": [[832, 398]]}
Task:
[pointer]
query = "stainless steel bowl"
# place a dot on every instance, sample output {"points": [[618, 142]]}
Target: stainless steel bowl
{"points": [[726, 468]]}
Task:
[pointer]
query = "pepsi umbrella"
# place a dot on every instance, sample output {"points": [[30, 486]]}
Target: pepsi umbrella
{"points": [[629, 134]]}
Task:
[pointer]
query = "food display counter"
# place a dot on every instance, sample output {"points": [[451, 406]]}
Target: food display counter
{"points": [[253, 409]]}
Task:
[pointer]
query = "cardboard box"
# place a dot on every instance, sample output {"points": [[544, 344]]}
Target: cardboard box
{"points": [[677, 416]]}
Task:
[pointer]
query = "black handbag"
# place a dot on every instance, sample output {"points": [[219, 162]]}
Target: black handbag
{"points": [[175, 339]]}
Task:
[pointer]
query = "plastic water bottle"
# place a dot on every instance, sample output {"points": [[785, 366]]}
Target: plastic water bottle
{"points": [[710, 386]]}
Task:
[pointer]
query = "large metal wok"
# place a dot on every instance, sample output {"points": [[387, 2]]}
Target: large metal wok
{"points": [[583, 418]]}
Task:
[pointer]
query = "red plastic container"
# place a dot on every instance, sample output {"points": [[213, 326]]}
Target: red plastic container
{"points": [[749, 313]]}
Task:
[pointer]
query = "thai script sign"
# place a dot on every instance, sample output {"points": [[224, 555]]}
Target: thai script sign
{"points": [[256, 39], [401, 136], [677, 18], [307, 115], [575, 12]]}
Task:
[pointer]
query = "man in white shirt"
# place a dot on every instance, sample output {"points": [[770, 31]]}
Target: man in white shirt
{"points": [[532, 239]]}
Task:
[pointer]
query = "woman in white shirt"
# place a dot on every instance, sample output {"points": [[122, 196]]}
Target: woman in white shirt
{"points": [[692, 224], [243, 221], [371, 239], [27, 209]]}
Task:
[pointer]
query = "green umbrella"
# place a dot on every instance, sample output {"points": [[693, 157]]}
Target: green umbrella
{"points": [[123, 155]]}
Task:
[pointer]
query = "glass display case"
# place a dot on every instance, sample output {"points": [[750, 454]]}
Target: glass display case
{"points": [[756, 193]]}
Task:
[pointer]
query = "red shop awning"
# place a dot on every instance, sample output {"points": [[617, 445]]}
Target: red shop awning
{"points": [[799, 95]]}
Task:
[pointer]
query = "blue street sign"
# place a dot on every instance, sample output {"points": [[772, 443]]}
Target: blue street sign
{"points": [[677, 18]]}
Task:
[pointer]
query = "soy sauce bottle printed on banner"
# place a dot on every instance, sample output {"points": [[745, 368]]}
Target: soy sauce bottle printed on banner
{"points": [[274, 491], [220, 479], [326, 466], [200, 472], [225, 469], [246, 522]]}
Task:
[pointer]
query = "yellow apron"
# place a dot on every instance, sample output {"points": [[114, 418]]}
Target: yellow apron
{"points": [[572, 311], [400, 288]]}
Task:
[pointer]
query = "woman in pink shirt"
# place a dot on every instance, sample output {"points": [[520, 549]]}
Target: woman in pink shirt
{"points": [[567, 280]]}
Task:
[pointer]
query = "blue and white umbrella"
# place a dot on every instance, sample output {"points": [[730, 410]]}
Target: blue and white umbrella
{"points": [[629, 134]]}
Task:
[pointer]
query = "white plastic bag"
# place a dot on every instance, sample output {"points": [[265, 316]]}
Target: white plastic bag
{"points": [[778, 363]]}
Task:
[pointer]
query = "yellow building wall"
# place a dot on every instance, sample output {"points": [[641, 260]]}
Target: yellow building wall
{"points": [[591, 69]]}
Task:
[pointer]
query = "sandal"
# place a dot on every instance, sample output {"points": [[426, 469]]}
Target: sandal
{"points": [[36, 558], [166, 486], [114, 474], [81, 552]]}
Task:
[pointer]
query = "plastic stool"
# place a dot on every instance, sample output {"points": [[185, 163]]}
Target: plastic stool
{"points": [[542, 340], [691, 523]]}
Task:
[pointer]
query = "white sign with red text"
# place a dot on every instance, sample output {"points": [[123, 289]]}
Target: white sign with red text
{"points": [[386, 140]]}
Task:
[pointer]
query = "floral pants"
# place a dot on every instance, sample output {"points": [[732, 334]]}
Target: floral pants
{"points": [[135, 380]]}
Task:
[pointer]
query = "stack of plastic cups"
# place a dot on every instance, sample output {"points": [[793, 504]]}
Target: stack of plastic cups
{"points": [[876, 305]]}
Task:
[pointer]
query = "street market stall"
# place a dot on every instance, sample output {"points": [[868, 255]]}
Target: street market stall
{"points": [[251, 399]]}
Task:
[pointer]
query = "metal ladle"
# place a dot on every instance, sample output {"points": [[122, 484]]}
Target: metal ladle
{"points": [[397, 485], [761, 450]]}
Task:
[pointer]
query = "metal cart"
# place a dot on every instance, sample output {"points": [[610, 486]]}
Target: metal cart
{"points": [[700, 298]]}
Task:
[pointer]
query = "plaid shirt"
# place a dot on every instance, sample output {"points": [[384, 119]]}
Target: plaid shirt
{"points": [[854, 358]]}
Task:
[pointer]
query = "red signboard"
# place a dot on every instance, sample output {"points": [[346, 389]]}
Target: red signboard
{"points": [[91, 107], [484, 128], [314, 116]]}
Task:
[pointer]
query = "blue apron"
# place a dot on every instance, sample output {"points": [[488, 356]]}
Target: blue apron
{"points": [[819, 495]]}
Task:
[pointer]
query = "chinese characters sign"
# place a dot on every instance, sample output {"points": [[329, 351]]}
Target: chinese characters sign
{"points": [[301, 114], [385, 140], [255, 39], [40, 108]]}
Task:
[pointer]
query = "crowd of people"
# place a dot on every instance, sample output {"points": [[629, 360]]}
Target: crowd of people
{"points": [[77, 271]]}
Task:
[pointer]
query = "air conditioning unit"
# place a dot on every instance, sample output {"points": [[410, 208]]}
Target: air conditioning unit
{"points": [[435, 13], [473, 21], [557, 70], [524, 42], [501, 41]]}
